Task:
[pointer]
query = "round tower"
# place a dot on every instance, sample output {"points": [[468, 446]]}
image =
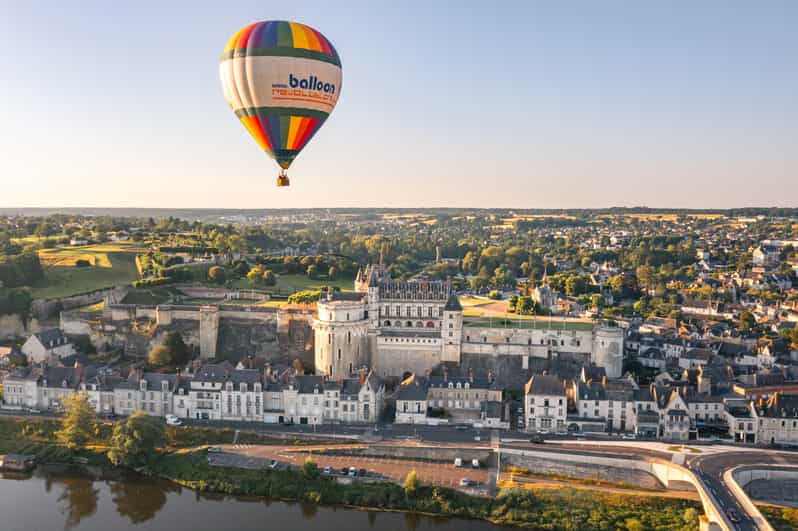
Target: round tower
{"points": [[608, 349], [340, 334]]}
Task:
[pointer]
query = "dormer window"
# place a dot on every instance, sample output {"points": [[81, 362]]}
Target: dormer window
{"points": [[451, 385]]}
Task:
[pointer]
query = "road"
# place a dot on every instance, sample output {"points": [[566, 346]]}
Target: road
{"points": [[710, 469]]}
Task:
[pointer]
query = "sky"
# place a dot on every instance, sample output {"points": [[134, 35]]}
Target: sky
{"points": [[530, 104]]}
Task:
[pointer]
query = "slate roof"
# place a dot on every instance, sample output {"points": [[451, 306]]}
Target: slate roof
{"points": [[453, 304], [414, 388], [544, 384], [51, 335]]}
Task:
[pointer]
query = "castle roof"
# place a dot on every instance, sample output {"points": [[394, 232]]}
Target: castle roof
{"points": [[453, 304]]}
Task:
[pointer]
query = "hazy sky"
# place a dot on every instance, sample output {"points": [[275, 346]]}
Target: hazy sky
{"points": [[529, 104]]}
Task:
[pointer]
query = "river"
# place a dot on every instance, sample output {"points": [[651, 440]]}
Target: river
{"points": [[56, 498]]}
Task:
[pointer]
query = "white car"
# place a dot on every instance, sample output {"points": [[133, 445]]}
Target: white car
{"points": [[172, 420], [629, 437]]}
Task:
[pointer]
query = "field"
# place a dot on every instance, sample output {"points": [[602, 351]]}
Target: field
{"points": [[528, 323], [111, 264]]}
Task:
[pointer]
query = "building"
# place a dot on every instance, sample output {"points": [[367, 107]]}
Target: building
{"points": [[411, 401], [395, 327], [47, 346], [776, 419], [545, 404]]}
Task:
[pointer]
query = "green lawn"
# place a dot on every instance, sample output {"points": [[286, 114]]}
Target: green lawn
{"points": [[541, 323], [288, 284], [115, 265]]}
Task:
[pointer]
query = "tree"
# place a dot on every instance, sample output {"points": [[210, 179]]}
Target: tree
{"points": [[747, 320], [411, 483], [332, 273], [495, 294], [255, 275], [512, 301], [268, 278], [309, 469], [633, 524], [160, 356], [298, 367], [311, 271], [216, 274], [178, 350], [525, 305], [135, 441], [79, 421]]}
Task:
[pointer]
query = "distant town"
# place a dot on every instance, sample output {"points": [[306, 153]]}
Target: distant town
{"points": [[640, 325]]}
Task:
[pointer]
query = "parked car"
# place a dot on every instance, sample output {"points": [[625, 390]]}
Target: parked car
{"points": [[214, 450], [172, 420], [273, 464], [352, 471], [344, 471], [327, 470], [733, 516], [477, 438], [458, 462], [629, 436], [465, 482], [475, 463], [537, 439], [362, 472]]}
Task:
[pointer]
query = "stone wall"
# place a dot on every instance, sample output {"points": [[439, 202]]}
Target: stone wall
{"points": [[551, 466], [12, 326], [46, 308]]}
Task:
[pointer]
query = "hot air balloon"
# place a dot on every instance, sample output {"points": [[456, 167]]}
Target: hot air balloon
{"points": [[282, 79]]}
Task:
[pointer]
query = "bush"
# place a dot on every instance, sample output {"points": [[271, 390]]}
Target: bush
{"points": [[150, 282], [82, 263], [216, 274], [495, 294], [160, 356]]}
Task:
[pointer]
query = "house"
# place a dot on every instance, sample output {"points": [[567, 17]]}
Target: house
{"points": [[545, 403], [777, 419], [411, 401], [47, 346], [695, 357], [653, 358], [462, 398], [303, 400], [765, 256]]}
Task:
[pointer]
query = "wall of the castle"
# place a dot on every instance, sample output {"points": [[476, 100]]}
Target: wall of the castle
{"points": [[340, 347], [526, 341], [396, 360]]}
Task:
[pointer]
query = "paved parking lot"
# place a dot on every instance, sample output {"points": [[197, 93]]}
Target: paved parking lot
{"points": [[377, 467]]}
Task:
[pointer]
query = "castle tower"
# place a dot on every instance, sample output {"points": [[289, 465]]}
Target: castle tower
{"points": [[452, 329], [608, 349], [341, 334]]}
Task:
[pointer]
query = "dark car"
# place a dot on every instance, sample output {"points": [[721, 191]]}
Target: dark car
{"points": [[733, 516], [362, 472], [537, 439], [344, 470]]}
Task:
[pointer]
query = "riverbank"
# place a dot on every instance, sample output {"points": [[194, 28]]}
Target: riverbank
{"points": [[556, 508]]}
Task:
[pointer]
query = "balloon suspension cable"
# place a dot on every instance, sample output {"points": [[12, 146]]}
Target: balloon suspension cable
{"points": [[282, 179]]}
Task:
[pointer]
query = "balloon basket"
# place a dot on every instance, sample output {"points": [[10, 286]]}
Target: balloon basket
{"points": [[282, 180]]}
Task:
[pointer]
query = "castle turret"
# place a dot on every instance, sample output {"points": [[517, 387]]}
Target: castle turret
{"points": [[452, 329], [608, 349], [341, 334]]}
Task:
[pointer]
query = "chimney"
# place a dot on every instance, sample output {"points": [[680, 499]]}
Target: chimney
{"points": [[490, 376], [471, 375], [139, 374], [362, 375], [445, 374]]}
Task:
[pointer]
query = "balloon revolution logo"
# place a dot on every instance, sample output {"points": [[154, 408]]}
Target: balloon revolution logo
{"points": [[309, 89]]}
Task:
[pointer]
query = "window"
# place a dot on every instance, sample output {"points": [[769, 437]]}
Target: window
{"points": [[339, 354]]}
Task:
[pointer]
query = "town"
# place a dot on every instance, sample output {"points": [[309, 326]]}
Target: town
{"points": [[635, 325]]}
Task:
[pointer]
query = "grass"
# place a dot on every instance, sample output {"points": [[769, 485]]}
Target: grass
{"points": [[684, 449], [781, 518], [526, 323], [112, 265], [288, 284], [145, 296]]}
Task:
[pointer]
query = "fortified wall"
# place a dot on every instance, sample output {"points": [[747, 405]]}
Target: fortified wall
{"points": [[218, 331]]}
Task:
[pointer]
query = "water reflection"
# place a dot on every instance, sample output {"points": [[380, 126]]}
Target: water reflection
{"points": [[54, 498], [78, 500], [140, 500]]}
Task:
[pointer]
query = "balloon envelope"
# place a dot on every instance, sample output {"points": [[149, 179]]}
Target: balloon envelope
{"points": [[282, 79]]}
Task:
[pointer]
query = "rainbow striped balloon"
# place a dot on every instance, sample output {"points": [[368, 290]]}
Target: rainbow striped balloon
{"points": [[282, 79]]}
